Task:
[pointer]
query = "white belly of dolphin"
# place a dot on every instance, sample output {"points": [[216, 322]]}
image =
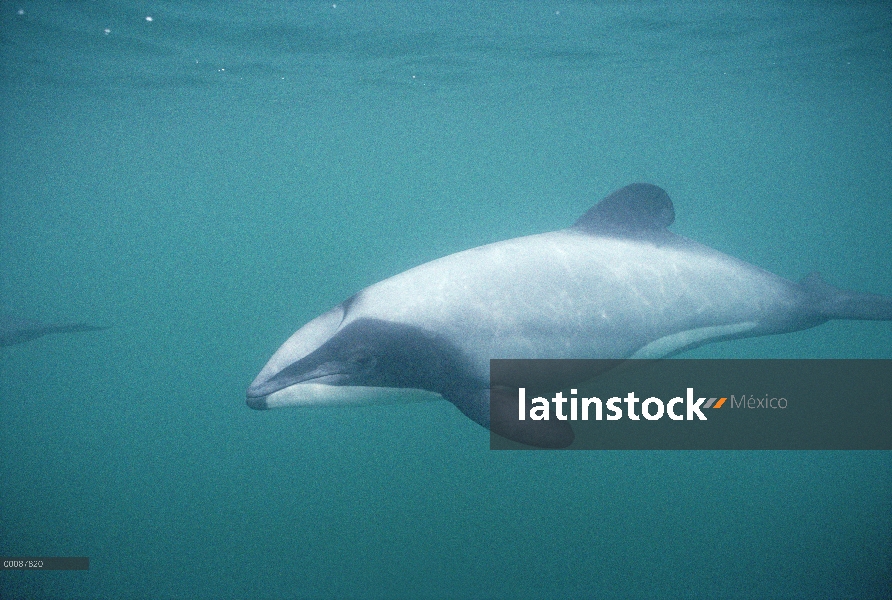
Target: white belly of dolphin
{"points": [[671, 344], [320, 394]]}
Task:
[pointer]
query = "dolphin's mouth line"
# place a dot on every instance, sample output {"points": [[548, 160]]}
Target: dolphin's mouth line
{"points": [[258, 399], [321, 379], [313, 394]]}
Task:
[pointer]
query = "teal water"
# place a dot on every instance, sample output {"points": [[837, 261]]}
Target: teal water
{"points": [[208, 181]]}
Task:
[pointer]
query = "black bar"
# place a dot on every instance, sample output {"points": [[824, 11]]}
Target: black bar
{"points": [[45, 563]]}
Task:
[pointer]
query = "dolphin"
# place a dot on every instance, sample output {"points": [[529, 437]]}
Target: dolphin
{"points": [[616, 285], [15, 331]]}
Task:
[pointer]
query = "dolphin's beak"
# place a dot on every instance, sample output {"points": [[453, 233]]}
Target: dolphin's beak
{"points": [[293, 387], [280, 372], [256, 395], [257, 402], [299, 383]]}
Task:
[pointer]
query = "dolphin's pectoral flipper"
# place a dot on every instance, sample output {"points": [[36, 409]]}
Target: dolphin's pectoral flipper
{"points": [[496, 409], [829, 302]]}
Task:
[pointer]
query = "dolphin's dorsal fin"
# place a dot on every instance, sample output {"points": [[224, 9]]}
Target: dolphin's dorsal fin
{"points": [[639, 210]]}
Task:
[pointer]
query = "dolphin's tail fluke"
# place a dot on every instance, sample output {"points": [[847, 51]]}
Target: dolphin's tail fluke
{"points": [[833, 303]]}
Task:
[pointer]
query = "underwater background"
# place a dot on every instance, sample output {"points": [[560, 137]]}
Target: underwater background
{"points": [[206, 177]]}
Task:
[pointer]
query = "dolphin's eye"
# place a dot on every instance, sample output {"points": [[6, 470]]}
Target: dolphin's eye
{"points": [[364, 361]]}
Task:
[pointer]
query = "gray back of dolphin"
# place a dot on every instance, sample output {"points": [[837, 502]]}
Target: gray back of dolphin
{"points": [[15, 331], [617, 284]]}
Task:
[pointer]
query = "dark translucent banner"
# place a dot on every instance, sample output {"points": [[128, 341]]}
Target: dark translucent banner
{"points": [[45, 563], [685, 404]]}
